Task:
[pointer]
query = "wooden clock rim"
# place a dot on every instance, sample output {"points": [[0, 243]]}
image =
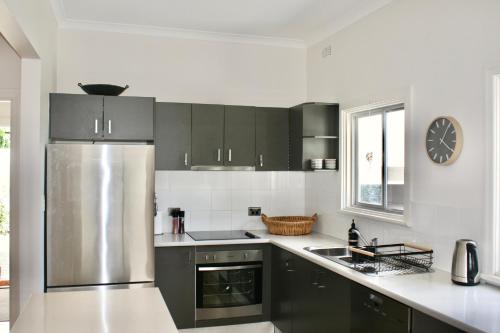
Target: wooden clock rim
{"points": [[459, 143]]}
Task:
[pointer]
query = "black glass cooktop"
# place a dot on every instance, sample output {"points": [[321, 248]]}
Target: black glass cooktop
{"points": [[220, 235]]}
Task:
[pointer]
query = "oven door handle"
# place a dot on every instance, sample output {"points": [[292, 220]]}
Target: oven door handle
{"points": [[227, 268]]}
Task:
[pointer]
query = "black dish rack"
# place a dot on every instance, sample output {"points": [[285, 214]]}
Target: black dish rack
{"points": [[391, 259]]}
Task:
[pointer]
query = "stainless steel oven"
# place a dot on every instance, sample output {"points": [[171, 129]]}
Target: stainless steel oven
{"points": [[228, 284]]}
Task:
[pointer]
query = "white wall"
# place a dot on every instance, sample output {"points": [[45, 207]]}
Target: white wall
{"points": [[32, 29], [437, 52], [220, 200], [182, 70]]}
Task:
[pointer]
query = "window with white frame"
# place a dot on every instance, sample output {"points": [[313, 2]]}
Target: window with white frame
{"points": [[374, 161], [496, 176]]}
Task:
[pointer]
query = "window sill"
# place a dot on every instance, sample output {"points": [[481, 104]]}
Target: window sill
{"points": [[493, 280], [375, 215]]}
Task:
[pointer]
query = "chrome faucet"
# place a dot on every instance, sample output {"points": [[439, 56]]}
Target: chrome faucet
{"points": [[373, 242]]}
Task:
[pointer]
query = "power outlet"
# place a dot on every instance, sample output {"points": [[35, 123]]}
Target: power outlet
{"points": [[254, 211]]}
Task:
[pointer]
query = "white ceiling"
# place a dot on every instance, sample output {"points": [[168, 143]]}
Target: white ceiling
{"points": [[292, 20]]}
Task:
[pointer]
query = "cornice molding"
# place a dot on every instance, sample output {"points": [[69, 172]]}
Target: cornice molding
{"points": [[69, 24]]}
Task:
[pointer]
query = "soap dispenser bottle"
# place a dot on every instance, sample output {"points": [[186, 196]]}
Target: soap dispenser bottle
{"points": [[353, 235]]}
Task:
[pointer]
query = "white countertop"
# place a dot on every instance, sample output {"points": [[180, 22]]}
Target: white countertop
{"points": [[105, 311], [473, 309]]}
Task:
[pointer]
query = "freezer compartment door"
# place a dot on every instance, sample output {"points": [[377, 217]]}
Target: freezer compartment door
{"points": [[99, 214]]}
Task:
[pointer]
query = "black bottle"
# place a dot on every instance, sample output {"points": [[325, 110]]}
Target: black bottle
{"points": [[181, 222], [353, 236]]}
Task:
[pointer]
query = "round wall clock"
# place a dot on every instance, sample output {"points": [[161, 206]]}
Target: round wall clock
{"points": [[444, 140]]}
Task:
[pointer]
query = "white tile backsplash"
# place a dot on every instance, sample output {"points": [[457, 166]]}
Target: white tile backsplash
{"points": [[219, 200]]}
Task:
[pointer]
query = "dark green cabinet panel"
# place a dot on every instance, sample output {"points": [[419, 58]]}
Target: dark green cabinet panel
{"points": [[207, 140], [271, 140], [306, 297], [422, 323], [239, 136], [376, 313], [175, 277], [282, 285], [322, 300], [128, 118], [76, 117], [173, 136]]}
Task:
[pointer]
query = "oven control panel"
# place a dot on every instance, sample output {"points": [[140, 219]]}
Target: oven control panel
{"points": [[228, 256]]}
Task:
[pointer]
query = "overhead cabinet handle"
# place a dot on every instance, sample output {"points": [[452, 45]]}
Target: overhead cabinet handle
{"points": [[261, 160], [96, 126], [109, 126], [230, 155], [218, 155], [186, 159]]}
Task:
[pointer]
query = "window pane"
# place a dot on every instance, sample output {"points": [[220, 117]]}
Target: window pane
{"points": [[395, 151], [369, 159]]}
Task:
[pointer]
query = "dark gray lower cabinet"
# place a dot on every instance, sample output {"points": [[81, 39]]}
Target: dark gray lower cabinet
{"points": [[207, 140], [282, 289], [306, 297], [376, 313], [423, 323], [271, 139], [173, 136], [175, 277]]}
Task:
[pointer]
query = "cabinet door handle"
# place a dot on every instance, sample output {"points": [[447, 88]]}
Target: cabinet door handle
{"points": [[261, 160], [96, 126], [109, 126], [218, 155], [230, 155], [185, 159]]}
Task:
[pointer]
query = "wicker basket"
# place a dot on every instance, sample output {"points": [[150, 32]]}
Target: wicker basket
{"points": [[289, 225]]}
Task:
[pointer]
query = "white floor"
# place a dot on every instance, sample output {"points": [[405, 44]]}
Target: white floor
{"points": [[265, 327]]}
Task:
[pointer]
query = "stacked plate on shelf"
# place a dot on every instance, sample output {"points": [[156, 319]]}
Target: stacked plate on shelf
{"points": [[317, 163], [331, 163]]}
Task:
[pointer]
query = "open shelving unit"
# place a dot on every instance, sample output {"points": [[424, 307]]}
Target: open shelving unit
{"points": [[314, 133]]}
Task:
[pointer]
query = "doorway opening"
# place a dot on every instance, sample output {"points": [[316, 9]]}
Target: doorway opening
{"points": [[5, 132]]}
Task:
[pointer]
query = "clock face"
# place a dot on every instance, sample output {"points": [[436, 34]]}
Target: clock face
{"points": [[443, 142]]}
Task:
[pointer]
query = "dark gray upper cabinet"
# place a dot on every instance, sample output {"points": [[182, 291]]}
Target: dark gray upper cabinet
{"points": [[129, 118], [239, 136], [272, 139], [175, 277], [314, 133], [91, 117], [172, 136], [76, 117], [207, 139]]}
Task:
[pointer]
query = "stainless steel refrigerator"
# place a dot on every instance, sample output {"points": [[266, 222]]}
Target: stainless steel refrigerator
{"points": [[99, 215]]}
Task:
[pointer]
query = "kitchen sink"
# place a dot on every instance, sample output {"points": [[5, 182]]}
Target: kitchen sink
{"points": [[380, 264], [330, 251]]}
